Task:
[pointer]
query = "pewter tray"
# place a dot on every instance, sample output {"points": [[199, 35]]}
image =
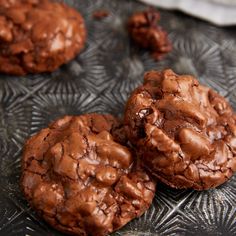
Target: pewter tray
{"points": [[100, 80]]}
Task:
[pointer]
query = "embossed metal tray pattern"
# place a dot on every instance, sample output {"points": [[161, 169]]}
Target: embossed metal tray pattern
{"points": [[100, 80]]}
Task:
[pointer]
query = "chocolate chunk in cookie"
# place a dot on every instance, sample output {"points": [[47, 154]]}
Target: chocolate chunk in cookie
{"points": [[146, 33], [80, 178], [38, 36], [185, 132]]}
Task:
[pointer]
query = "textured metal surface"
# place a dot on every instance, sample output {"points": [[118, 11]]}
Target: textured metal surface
{"points": [[100, 80]]}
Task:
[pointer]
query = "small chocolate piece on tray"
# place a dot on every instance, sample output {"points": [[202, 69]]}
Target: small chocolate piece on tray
{"points": [[184, 132], [146, 33], [79, 176], [100, 14], [38, 36]]}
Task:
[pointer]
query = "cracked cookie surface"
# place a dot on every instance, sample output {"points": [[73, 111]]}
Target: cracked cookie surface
{"points": [[79, 176], [38, 35], [185, 133]]}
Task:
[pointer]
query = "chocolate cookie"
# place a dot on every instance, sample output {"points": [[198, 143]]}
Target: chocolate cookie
{"points": [[38, 35], [146, 33], [185, 133], [80, 178]]}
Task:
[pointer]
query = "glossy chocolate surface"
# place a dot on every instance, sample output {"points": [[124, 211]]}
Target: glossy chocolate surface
{"points": [[185, 132], [81, 179], [38, 35]]}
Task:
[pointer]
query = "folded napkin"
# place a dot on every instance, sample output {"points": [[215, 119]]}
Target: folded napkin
{"points": [[219, 12]]}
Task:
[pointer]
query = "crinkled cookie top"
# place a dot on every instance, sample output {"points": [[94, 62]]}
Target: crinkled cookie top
{"points": [[80, 177], [38, 35], [185, 132]]}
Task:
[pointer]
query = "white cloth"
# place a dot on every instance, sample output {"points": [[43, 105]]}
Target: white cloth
{"points": [[219, 12]]}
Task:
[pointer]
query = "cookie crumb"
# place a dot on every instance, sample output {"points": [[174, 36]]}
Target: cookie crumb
{"points": [[100, 14], [146, 33]]}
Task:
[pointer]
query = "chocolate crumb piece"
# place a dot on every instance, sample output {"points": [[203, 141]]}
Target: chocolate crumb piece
{"points": [[38, 35], [100, 14], [82, 179], [146, 33], [184, 132]]}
